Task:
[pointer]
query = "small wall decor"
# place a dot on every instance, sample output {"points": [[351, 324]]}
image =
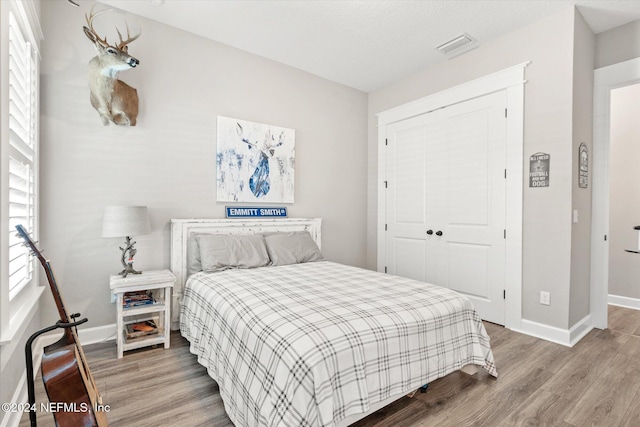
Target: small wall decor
{"points": [[583, 166], [255, 162], [114, 100], [539, 170], [255, 212]]}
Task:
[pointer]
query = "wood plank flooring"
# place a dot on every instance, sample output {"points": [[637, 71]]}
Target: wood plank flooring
{"points": [[595, 383]]}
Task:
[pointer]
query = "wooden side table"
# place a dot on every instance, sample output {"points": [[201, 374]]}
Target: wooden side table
{"points": [[159, 282]]}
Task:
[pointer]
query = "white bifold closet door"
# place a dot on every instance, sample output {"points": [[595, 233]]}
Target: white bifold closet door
{"points": [[445, 200]]}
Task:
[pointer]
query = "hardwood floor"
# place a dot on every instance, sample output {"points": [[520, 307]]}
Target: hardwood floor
{"points": [[595, 383]]}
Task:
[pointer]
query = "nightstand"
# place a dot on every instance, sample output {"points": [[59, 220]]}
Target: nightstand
{"points": [[158, 283]]}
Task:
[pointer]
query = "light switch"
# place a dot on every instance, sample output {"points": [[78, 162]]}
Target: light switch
{"points": [[575, 216]]}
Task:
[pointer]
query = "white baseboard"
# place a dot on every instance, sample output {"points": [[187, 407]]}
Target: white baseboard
{"points": [[624, 301], [97, 334], [86, 336], [579, 330], [571, 336], [566, 337]]}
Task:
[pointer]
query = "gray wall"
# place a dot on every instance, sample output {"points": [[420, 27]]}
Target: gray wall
{"points": [[583, 58], [618, 44], [624, 196], [548, 127], [167, 161]]}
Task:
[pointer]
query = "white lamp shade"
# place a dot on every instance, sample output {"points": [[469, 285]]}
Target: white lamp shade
{"points": [[122, 221]]}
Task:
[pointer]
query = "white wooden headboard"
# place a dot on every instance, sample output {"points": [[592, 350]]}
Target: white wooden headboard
{"points": [[183, 229]]}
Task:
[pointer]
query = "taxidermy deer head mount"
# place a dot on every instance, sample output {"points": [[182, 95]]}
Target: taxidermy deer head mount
{"points": [[114, 100]]}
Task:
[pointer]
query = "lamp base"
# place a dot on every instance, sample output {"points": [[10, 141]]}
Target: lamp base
{"points": [[129, 270], [128, 251]]}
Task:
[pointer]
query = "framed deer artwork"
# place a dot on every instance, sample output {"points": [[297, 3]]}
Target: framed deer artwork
{"points": [[115, 101], [255, 162]]}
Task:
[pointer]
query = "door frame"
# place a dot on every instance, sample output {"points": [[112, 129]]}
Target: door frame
{"points": [[512, 80], [604, 80]]}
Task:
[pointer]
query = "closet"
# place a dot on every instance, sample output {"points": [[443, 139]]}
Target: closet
{"points": [[445, 200]]}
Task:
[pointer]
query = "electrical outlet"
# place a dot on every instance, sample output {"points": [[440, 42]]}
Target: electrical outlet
{"points": [[545, 298]]}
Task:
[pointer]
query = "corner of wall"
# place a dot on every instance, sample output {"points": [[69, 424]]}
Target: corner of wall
{"points": [[582, 173]]}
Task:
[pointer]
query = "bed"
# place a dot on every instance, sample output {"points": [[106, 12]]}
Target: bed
{"points": [[310, 342]]}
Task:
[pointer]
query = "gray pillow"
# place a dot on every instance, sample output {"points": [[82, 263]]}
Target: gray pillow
{"points": [[193, 255], [223, 251], [292, 247]]}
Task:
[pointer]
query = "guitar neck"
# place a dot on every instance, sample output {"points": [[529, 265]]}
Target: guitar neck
{"points": [[57, 297]]}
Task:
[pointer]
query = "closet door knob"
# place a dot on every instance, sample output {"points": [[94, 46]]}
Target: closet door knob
{"points": [[429, 232], [438, 233]]}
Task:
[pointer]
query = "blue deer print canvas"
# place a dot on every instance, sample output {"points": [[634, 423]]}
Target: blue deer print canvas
{"points": [[255, 162]]}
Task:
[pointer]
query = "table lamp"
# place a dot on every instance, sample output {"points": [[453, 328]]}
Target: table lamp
{"points": [[126, 221]]}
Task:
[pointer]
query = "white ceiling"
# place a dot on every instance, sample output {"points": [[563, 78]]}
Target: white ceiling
{"points": [[365, 44]]}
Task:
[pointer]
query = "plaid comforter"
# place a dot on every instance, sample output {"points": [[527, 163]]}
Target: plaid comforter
{"points": [[310, 344]]}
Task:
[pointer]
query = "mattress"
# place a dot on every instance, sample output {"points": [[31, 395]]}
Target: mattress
{"points": [[310, 344]]}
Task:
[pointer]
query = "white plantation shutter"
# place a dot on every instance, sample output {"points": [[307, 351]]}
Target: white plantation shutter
{"points": [[22, 143], [22, 92], [21, 198]]}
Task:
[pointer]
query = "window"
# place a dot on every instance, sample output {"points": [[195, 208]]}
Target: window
{"points": [[22, 125], [18, 169]]}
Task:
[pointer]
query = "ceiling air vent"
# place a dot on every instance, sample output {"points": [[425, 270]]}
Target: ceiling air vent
{"points": [[456, 46]]}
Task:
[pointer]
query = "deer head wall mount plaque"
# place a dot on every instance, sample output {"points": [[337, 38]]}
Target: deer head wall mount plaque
{"points": [[114, 100]]}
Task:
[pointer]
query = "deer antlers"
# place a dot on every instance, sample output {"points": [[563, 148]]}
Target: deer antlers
{"points": [[123, 43], [103, 41]]}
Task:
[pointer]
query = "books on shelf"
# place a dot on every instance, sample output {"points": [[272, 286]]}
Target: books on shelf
{"points": [[137, 298], [139, 329]]}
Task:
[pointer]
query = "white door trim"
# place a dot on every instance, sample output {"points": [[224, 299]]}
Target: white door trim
{"points": [[512, 80], [605, 79]]}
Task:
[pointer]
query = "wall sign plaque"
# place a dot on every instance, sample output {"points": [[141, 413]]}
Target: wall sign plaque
{"points": [[539, 170], [255, 212], [583, 166]]}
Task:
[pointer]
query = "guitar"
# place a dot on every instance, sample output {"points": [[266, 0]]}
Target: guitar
{"points": [[65, 372]]}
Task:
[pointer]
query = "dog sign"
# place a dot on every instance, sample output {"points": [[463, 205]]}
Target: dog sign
{"points": [[539, 170]]}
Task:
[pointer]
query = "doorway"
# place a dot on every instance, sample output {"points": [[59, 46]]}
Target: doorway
{"points": [[624, 197], [606, 79]]}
